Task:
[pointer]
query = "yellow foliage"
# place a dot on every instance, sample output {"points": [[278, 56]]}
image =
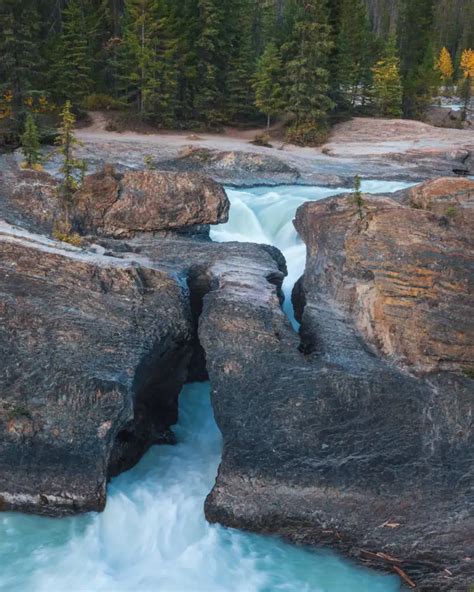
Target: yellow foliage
{"points": [[62, 231], [445, 64], [467, 63], [34, 167]]}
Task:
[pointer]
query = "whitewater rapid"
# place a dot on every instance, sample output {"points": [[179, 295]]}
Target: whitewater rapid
{"points": [[152, 536]]}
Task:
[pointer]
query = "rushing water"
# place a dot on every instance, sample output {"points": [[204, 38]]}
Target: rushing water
{"points": [[265, 215], [152, 536]]}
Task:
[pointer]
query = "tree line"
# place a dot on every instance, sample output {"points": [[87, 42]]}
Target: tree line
{"points": [[206, 63]]}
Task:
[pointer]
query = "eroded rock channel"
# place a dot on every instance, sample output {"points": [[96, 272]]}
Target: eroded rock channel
{"points": [[355, 434]]}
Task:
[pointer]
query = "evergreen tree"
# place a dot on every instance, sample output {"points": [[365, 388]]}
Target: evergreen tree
{"points": [[355, 51], [72, 69], [21, 63], [71, 167], [145, 63], [211, 57], [239, 97], [417, 56], [30, 144], [268, 83], [307, 84], [387, 87]]}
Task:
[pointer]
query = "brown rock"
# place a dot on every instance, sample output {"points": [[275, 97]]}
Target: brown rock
{"points": [[404, 275], [147, 201], [450, 198]]}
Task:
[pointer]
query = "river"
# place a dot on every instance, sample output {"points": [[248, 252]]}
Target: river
{"points": [[152, 536]]}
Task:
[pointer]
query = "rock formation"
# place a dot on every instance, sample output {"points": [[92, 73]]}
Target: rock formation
{"points": [[330, 441], [96, 342], [355, 434], [113, 204]]}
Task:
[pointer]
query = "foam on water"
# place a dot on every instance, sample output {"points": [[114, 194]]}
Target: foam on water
{"points": [[265, 215], [152, 536]]}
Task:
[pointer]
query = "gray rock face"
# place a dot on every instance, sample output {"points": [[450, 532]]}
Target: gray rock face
{"points": [[327, 443], [96, 343], [242, 168], [93, 353]]}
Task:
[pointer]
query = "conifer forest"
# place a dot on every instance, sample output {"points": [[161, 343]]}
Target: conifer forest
{"points": [[196, 63]]}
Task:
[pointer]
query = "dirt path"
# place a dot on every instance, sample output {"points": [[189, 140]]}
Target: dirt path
{"points": [[355, 138]]}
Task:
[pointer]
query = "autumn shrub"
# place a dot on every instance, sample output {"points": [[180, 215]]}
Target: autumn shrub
{"points": [[262, 139]]}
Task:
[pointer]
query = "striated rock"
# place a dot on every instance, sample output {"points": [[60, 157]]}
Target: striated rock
{"points": [[93, 353], [27, 198], [403, 275], [447, 196], [147, 201], [326, 442]]}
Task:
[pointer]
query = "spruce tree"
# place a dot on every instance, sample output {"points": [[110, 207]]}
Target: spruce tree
{"points": [[211, 59], [145, 62], [416, 54], [72, 69], [21, 63], [268, 85], [355, 51], [30, 144], [387, 86], [307, 83], [239, 100]]}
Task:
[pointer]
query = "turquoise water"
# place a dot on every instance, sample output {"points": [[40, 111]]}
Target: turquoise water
{"points": [[152, 536]]}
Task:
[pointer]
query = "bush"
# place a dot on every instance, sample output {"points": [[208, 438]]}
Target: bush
{"points": [[62, 231], [262, 139], [101, 102], [309, 134]]}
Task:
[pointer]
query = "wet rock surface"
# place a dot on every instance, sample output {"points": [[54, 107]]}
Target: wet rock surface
{"points": [[328, 440]]}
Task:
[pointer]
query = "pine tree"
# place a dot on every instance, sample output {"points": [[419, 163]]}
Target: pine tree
{"points": [[306, 56], [210, 47], [267, 85], [355, 51], [72, 69], [30, 144], [21, 62], [416, 55], [71, 167], [387, 87]]}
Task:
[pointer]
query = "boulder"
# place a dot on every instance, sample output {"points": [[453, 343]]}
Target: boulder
{"points": [[235, 166], [111, 204]]}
